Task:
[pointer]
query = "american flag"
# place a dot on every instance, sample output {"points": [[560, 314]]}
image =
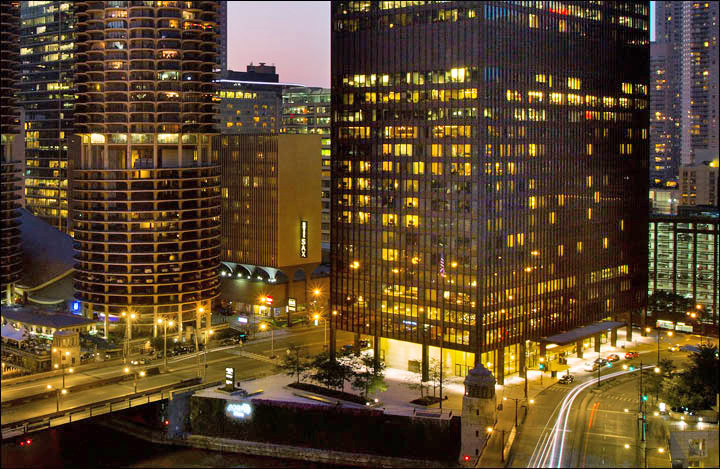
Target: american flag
{"points": [[442, 265]]}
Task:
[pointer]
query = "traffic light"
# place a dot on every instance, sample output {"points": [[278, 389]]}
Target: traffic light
{"points": [[609, 365], [541, 366], [632, 368], [644, 398]]}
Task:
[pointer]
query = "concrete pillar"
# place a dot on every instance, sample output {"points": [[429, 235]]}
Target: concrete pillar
{"points": [[521, 363], [629, 331], [643, 322], [180, 325], [579, 347], [500, 365], [596, 342], [376, 349], [425, 362], [155, 324], [613, 337], [333, 338], [106, 325]]}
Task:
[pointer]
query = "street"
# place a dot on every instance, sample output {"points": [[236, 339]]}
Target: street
{"points": [[580, 425], [180, 368]]}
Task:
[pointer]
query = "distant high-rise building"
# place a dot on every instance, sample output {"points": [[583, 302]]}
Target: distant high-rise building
{"points": [[306, 110], [46, 84], [685, 93], [146, 207], [222, 43], [699, 184], [11, 177], [250, 101], [489, 177]]}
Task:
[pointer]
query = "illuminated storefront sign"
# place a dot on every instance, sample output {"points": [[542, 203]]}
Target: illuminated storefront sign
{"points": [[303, 239], [239, 411]]}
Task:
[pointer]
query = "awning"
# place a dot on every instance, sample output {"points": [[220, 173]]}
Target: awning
{"points": [[581, 333], [9, 332]]}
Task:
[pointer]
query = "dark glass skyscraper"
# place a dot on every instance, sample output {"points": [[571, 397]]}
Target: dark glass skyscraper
{"points": [[489, 174], [47, 45], [10, 179]]}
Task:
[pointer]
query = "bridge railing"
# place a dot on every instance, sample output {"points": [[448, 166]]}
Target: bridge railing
{"points": [[93, 409]]}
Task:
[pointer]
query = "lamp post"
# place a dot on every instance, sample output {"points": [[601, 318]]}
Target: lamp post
{"points": [[645, 448], [263, 327], [166, 323], [128, 317], [142, 374], [57, 396], [208, 333], [517, 399], [669, 334], [317, 317]]}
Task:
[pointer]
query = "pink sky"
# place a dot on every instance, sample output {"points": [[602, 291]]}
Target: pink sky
{"points": [[295, 36]]}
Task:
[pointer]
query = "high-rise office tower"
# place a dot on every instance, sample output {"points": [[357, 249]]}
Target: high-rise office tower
{"points": [[222, 38], [145, 177], [47, 95], [10, 245], [306, 110], [489, 176], [664, 118], [250, 101], [687, 43]]}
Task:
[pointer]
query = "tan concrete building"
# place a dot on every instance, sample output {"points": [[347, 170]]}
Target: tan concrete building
{"points": [[271, 207], [699, 184]]}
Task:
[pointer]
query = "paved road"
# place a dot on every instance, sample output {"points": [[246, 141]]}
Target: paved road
{"points": [[180, 369], [597, 425]]}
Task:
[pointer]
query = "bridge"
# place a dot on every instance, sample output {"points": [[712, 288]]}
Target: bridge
{"points": [[94, 409]]}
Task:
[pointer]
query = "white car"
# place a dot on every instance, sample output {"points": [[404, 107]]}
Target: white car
{"points": [[590, 366]]}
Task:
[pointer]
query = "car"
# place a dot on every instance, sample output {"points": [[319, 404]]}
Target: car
{"points": [[134, 362], [566, 379], [601, 361], [613, 357], [591, 366], [674, 348], [348, 348], [631, 355]]}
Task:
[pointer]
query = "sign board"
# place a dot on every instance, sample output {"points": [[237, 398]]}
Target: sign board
{"points": [[292, 304], [230, 377], [303, 238]]}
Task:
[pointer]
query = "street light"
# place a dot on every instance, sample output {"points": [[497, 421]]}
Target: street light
{"points": [[128, 317], [318, 317], [263, 327], [142, 375], [166, 323], [208, 333], [517, 399], [645, 448]]}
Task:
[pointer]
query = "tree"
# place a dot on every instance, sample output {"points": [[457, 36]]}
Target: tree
{"points": [[415, 382], [294, 363], [697, 387], [436, 375], [655, 381], [368, 375], [670, 306], [328, 372]]}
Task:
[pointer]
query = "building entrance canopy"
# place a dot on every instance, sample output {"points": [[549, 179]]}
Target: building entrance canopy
{"points": [[581, 333]]}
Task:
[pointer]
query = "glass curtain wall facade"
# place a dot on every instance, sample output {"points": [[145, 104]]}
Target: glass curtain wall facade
{"points": [[10, 182], [47, 45], [146, 202], [684, 259], [490, 171], [306, 110]]}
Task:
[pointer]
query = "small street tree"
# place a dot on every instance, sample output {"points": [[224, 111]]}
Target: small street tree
{"points": [[436, 375], [294, 363], [697, 387], [416, 383], [368, 375], [328, 372]]}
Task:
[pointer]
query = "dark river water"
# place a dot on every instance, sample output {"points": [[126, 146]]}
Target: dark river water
{"points": [[89, 445]]}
